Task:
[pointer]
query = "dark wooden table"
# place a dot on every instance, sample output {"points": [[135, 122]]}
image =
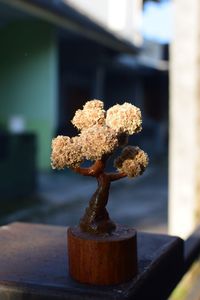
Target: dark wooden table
{"points": [[33, 265]]}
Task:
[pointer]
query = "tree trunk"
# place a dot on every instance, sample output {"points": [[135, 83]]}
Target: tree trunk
{"points": [[96, 218]]}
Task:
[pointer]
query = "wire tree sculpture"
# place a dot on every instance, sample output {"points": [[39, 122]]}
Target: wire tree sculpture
{"points": [[100, 134]]}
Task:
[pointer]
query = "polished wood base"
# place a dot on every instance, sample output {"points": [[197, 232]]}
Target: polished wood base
{"points": [[102, 259]]}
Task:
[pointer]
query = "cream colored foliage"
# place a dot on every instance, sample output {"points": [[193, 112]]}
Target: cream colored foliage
{"points": [[133, 161], [124, 118], [100, 135], [98, 141], [66, 152], [91, 114]]}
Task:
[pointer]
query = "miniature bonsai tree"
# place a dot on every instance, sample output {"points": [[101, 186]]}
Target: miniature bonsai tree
{"points": [[100, 134]]}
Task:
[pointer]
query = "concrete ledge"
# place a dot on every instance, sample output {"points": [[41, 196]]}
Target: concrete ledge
{"points": [[33, 265]]}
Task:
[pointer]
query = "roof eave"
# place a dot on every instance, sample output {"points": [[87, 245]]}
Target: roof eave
{"points": [[67, 18]]}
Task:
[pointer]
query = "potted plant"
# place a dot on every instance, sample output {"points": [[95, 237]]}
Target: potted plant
{"points": [[99, 251]]}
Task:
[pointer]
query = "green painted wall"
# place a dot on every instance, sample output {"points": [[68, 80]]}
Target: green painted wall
{"points": [[28, 80]]}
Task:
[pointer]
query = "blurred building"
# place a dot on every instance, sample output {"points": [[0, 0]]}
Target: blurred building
{"points": [[54, 57], [122, 17]]}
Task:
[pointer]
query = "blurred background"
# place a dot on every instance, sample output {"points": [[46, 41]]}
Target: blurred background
{"points": [[57, 54]]}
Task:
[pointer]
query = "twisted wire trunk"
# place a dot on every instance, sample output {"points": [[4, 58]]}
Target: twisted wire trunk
{"points": [[96, 218]]}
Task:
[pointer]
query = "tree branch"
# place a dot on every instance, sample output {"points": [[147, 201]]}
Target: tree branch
{"points": [[116, 176], [94, 170], [82, 171]]}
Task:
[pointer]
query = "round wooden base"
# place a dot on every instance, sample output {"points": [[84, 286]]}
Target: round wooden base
{"points": [[102, 259]]}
